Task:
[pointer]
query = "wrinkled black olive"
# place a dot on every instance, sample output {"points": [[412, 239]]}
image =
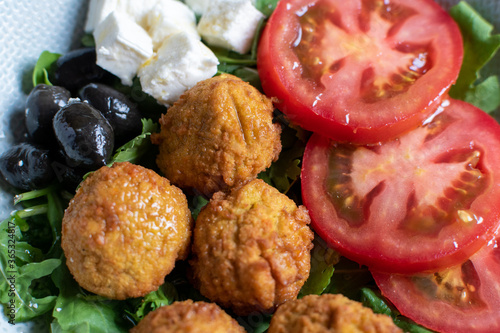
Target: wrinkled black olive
{"points": [[69, 177], [84, 135], [77, 68], [26, 167], [118, 109], [41, 105]]}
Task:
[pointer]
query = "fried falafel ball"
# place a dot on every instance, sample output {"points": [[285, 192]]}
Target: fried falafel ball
{"points": [[251, 249], [219, 134], [188, 317], [329, 313], [123, 231]]}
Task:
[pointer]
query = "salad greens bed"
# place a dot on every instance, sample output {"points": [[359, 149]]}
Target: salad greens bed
{"points": [[45, 289]]}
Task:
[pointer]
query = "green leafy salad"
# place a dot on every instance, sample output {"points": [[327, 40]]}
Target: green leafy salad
{"points": [[35, 283]]}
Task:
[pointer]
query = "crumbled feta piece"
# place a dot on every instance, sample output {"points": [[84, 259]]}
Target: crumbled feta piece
{"points": [[180, 63], [122, 46], [198, 6], [100, 9], [231, 24], [97, 12], [167, 18]]}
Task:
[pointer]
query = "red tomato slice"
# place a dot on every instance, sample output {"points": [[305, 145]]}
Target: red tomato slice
{"points": [[461, 299], [424, 201], [359, 71]]}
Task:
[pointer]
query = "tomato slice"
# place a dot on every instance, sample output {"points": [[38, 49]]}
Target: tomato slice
{"points": [[424, 201], [359, 71], [461, 299]]}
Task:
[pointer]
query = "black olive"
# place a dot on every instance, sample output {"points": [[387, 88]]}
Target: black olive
{"points": [[69, 177], [26, 167], [77, 68], [118, 109], [41, 105], [84, 135]]}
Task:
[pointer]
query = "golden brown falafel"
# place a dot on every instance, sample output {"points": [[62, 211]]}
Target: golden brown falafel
{"points": [[123, 231], [219, 134], [251, 248], [329, 313], [188, 317]]}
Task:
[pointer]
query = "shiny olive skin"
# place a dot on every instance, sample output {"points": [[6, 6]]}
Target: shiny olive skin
{"points": [[26, 167], [84, 135], [41, 105], [118, 109], [77, 68]]}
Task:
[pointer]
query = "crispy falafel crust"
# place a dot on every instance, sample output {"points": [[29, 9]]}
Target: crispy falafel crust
{"points": [[251, 248], [219, 134], [329, 313], [123, 231], [188, 317]]}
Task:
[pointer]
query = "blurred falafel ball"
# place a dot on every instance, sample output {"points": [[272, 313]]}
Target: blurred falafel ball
{"points": [[251, 249], [123, 231], [188, 317], [219, 134], [329, 313]]}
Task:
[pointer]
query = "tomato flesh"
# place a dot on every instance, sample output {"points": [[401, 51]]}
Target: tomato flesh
{"points": [[424, 201], [359, 71], [464, 298]]}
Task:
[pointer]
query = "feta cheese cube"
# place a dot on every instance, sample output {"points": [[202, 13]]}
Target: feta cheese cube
{"points": [[231, 24], [169, 17], [198, 6], [122, 46], [97, 12], [181, 62], [100, 9]]}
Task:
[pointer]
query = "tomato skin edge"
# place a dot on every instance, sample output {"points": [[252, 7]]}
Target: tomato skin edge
{"points": [[300, 114], [314, 197]]}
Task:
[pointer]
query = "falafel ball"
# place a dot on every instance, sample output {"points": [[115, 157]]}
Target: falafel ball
{"points": [[219, 134], [251, 249], [188, 317], [123, 231], [329, 313]]}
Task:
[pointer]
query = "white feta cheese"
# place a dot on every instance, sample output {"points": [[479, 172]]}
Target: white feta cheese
{"points": [[169, 17], [231, 24], [198, 6], [122, 46], [100, 9], [97, 12], [180, 63]]}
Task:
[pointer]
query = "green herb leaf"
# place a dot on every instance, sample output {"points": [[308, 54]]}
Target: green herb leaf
{"points": [[283, 173], [136, 148], [88, 40], [373, 300], [479, 47], [18, 271], [266, 6], [165, 295], [43, 67], [485, 95], [196, 204], [323, 260], [73, 312]]}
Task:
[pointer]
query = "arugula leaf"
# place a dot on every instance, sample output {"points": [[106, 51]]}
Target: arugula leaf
{"points": [[73, 312], [88, 40], [283, 173], [17, 271], [349, 278], [323, 260], [43, 67], [136, 148], [479, 47], [266, 6], [165, 295], [373, 300], [196, 204]]}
